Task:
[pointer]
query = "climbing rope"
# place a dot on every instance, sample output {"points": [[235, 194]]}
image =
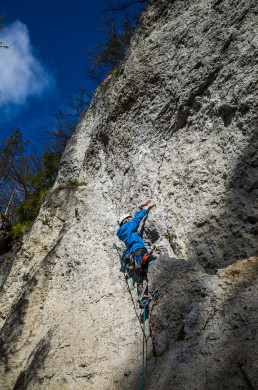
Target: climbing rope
{"points": [[119, 250]]}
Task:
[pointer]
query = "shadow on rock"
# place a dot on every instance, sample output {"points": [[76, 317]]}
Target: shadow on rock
{"points": [[231, 233], [203, 326], [34, 363]]}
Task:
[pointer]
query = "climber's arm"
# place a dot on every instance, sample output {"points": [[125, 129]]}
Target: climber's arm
{"points": [[141, 212]]}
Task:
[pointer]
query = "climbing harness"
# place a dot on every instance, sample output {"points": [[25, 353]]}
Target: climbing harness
{"points": [[128, 260], [143, 306], [136, 259]]}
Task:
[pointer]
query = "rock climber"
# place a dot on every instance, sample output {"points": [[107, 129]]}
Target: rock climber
{"points": [[136, 254]]}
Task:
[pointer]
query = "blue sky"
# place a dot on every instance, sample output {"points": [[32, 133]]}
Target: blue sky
{"points": [[46, 59]]}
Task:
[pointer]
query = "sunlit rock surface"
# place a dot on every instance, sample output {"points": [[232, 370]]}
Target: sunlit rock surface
{"points": [[177, 124]]}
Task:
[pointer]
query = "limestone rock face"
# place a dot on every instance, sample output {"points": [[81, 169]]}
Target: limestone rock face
{"points": [[203, 326], [177, 124]]}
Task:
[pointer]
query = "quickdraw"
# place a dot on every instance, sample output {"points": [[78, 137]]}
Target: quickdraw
{"points": [[146, 300]]}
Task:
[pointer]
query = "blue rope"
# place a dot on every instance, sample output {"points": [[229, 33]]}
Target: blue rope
{"points": [[143, 330]]}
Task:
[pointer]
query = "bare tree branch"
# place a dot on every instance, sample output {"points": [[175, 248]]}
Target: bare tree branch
{"points": [[108, 55], [123, 5], [1, 26]]}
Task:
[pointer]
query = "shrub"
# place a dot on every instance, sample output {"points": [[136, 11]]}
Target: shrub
{"points": [[18, 231]]}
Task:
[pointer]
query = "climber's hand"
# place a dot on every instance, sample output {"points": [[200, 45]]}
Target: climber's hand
{"points": [[144, 203], [150, 205]]}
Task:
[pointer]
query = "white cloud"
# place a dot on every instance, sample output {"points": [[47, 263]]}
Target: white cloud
{"points": [[21, 73]]}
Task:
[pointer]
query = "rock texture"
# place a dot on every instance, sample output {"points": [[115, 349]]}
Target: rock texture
{"points": [[206, 335], [177, 123]]}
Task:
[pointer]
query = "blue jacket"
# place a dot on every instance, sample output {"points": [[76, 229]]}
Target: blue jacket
{"points": [[128, 232]]}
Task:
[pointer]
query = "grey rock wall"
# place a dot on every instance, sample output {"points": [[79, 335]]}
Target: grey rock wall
{"points": [[178, 124], [204, 326]]}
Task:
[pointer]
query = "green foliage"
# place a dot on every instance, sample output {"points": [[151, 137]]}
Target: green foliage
{"points": [[28, 209], [5, 221], [110, 53], [40, 184], [118, 28], [168, 235], [44, 247], [46, 220], [45, 176], [115, 69], [18, 231], [9, 150]]}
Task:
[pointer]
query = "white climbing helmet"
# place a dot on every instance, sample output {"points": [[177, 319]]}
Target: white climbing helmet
{"points": [[120, 220]]}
